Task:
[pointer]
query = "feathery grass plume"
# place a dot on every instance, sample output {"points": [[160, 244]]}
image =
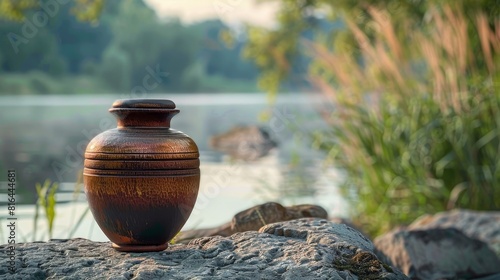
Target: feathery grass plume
{"points": [[416, 115]]}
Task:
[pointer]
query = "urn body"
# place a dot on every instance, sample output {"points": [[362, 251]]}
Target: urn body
{"points": [[141, 178]]}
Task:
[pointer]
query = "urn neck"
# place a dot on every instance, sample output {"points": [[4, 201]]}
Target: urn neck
{"points": [[155, 113], [159, 118]]}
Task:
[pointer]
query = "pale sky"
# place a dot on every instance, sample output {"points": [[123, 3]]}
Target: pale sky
{"points": [[234, 12]]}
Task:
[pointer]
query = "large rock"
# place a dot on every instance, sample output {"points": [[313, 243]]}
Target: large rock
{"points": [[246, 143], [437, 254], [298, 249], [481, 225], [256, 217]]}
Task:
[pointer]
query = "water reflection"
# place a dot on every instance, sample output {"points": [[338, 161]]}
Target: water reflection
{"points": [[45, 138]]}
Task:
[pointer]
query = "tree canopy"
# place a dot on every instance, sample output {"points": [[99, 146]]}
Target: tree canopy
{"points": [[95, 46], [275, 51]]}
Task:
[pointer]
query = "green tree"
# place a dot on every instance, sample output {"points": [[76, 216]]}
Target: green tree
{"points": [[77, 40], [84, 10], [22, 54], [222, 59], [116, 69], [116, 44], [169, 46], [49, 38]]}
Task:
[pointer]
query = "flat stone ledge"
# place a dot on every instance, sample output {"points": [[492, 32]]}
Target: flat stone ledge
{"points": [[297, 249]]}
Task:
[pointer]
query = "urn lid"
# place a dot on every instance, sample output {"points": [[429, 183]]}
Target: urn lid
{"points": [[141, 113], [143, 135], [144, 103]]}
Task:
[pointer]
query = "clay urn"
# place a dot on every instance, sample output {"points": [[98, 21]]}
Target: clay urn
{"points": [[142, 177]]}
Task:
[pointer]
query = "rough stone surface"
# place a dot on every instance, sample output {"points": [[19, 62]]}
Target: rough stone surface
{"points": [[298, 249], [272, 212], [490, 277], [481, 225], [256, 217], [437, 254], [339, 220]]}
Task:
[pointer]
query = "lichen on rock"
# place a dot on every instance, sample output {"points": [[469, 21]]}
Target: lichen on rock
{"points": [[304, 248]]}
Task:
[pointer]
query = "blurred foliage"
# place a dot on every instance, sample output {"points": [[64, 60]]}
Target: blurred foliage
{"points": [[415, 107], [15, 9], [84, 10], [88, 10], [280, 45], [114, 46], [277, 51]]}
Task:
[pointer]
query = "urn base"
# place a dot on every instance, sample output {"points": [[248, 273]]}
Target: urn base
{"points": [[139, 248]]}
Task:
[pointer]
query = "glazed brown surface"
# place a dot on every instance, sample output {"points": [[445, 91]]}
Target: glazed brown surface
{"points": [[141, 178], [142, 141], [137, 210], [141, 164]]}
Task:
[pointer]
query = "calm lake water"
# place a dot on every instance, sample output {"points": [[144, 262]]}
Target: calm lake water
{"points": [[44, 137]]}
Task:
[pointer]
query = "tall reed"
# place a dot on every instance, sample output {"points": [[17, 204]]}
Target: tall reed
{"points": [[414, 115], [47, 200]]}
